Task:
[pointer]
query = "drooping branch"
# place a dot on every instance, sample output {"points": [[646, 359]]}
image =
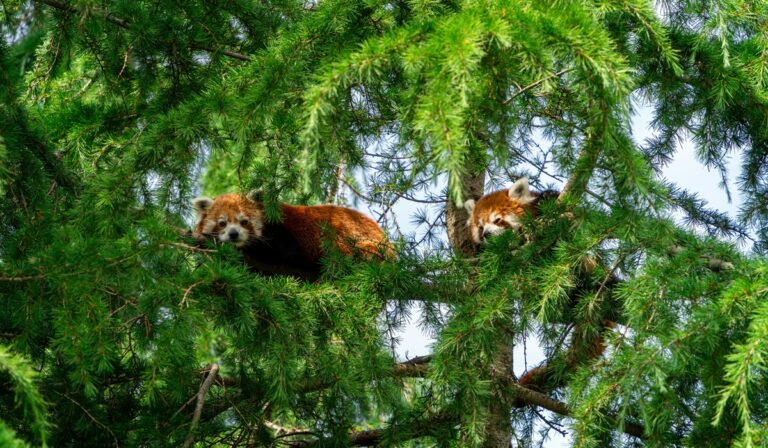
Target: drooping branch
{"points": [[585, 164], [122, 23]]}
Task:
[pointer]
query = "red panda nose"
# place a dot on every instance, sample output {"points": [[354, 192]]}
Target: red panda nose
{"points": [[234, 234]]}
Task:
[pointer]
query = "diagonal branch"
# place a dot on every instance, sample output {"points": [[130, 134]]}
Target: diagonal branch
{"points": [[212, 374], [522, 90]]}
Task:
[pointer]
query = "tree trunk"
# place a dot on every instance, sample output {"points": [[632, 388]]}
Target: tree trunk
{"points": [[456, 217], [498, 429]]}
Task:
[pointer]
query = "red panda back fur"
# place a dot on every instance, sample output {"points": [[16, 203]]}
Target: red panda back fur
{"points": [[353, 232]]}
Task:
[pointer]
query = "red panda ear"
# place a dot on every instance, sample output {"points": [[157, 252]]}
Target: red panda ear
{"points": [[520, 191], [469, 205], [256, 195], [202, 204]]}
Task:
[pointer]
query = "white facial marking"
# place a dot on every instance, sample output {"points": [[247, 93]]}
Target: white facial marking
{"points": [[495, 227], [234, 233]]}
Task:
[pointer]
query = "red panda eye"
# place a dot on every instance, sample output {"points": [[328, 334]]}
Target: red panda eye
{"points": [[498, 221], [222, 223], [243, 222]]}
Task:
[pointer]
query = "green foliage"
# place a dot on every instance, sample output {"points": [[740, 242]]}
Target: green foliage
{"points": [[22, 378], [114, 114]]}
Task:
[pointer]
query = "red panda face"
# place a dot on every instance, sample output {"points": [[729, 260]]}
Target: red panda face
{"points": [[496, 212], [231, 218]]}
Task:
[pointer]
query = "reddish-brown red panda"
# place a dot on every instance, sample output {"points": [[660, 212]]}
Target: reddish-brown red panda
{"points": [[294, 245], [502, 210]]}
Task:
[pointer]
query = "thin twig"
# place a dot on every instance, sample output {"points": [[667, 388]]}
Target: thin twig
{"points": [[522, 90], [552, 425], [188, 247], [114, 438], [186, 293]]}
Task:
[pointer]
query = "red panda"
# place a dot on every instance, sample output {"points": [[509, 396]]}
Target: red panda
{"points": [[499, 211], [295, 244]]}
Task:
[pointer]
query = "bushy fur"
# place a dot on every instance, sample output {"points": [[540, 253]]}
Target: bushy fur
{"points": [[294, 244]]}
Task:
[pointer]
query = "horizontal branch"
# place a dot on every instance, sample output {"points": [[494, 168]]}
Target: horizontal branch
{"points": [[531, 397], [417, 367], [414, 367], [413, 429], [425, 427], [122, 23]]}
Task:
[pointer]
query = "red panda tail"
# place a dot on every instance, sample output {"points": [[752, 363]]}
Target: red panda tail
{"points": [[372, 250], [580, 352]]}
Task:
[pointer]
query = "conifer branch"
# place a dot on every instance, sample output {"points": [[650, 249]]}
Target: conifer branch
{"points": [[522, 90], [122, 23], [26, 278], [531, 397], [425, 427], [212, 374], [410, 430], [584, 167], [415, 367], [282, 431]]}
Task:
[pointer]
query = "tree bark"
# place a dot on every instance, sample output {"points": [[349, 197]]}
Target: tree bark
{"points": [[456, 216], [498, 430]]}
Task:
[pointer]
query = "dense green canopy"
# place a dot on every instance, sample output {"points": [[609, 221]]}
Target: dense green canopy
{"points": [[116, 330]]}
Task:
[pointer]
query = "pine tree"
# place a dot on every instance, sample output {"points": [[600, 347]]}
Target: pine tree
{"points": [[117, 330]]}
